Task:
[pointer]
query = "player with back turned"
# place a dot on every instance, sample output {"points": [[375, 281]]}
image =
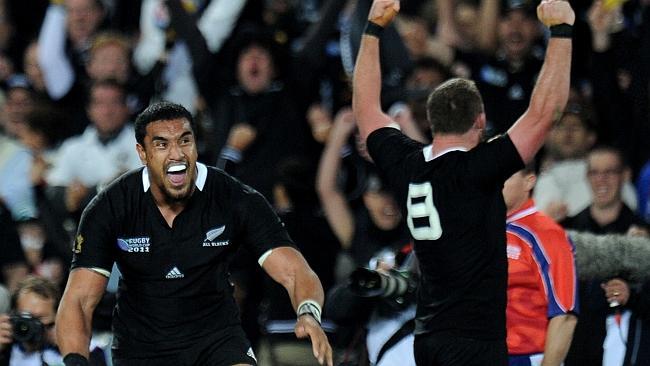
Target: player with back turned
{"points": [[452, 190], [172, 227]]}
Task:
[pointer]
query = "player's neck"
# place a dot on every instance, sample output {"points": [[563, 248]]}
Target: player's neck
{"points": [[444, 141], [169, 208]]}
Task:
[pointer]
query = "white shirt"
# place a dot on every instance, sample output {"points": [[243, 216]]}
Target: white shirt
{"points": [[566, 181], [380, 330], [86, 159], [21, 358], [16, 185]]}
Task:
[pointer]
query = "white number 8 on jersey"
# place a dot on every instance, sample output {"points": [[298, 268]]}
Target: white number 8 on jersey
{"points": [[424, 208]]}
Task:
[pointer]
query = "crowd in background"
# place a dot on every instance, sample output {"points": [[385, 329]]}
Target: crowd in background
{"points": [[268, 82]]}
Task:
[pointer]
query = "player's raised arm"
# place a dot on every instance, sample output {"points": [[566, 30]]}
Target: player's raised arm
{"points": [[552, 88], [366, 88]]}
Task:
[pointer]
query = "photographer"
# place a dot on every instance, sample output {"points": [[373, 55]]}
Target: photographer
{"points": [[379, 299], [27, 334]]}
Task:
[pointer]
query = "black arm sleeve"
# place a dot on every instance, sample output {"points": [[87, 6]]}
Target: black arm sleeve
{"points": [[492, 163], [259, 228], [96, 238], [388, 148]]}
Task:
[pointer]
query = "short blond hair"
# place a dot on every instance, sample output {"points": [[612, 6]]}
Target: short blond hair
{"points": [[104, 39]]}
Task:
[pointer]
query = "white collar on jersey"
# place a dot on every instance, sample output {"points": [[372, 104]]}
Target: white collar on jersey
{"points": [[200, 177], [529, 211], [428, 152]]}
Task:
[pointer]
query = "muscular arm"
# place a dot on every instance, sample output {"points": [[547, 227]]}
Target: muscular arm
{"points": [[559, 334], [366, 87], [552, 88], [288, 267], [73, 321]]}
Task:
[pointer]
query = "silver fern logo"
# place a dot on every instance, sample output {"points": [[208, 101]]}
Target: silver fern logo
{"points": [[212, 235]]}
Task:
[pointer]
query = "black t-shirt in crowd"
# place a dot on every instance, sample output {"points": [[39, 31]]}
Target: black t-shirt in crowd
{"points": [[456, 214], [583, 221], [174, 290]]}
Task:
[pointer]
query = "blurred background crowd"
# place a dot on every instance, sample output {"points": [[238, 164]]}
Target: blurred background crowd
{"points": [[268, 82]]}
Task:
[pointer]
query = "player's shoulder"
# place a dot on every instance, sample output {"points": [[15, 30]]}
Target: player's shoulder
{"points": [[132, 181], [219, 181]]}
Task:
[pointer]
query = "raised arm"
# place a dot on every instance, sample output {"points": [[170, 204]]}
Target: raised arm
{"points": [[337, 210], [366, 87], [552, 88], [83, 292], [288, 267], [58, 74]]}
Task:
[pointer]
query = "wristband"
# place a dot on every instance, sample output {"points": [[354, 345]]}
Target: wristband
{"points": [[373, 29], [75, 359], [561, 31], [309, 307]]}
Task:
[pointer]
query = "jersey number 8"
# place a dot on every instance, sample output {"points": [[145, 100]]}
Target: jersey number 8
{"points": [[419, 205]]}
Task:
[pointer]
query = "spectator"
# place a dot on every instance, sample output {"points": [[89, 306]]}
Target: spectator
{"points": [[16, 162], [35, 304], [20, 101], [542, 294], [563, 186], [377, 223], [103, 152], [506, 78], [620, 74], [273, 107], [42, 136], [65, 39], [606, 334], [33, 70], [384, 309], [162, 37], [36, 301], [13, 266], [606, 173]]}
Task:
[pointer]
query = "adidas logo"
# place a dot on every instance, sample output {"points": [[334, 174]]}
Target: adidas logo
{"points": [[174, 273]]}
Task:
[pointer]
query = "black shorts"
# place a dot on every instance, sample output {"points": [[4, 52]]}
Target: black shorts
{"points": [[447, 350], [229, 347]]}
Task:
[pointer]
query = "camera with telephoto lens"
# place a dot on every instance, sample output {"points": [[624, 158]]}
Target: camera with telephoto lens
{"points": [[27, 328], [395, 285]]}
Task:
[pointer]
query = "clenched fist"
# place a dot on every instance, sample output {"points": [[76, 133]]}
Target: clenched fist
{"points": [[383, 12], [554, 12]]}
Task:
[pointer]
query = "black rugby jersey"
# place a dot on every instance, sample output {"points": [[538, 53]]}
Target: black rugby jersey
{"points": [[457, 217], [175, 290]]}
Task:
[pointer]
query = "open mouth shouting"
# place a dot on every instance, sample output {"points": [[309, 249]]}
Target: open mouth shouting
{"points": [[177, 174]]}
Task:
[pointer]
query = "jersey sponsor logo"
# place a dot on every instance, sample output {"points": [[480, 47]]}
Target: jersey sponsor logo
{"points": [[134, 245], [513, 251], [174, 273], [213, 234]]}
